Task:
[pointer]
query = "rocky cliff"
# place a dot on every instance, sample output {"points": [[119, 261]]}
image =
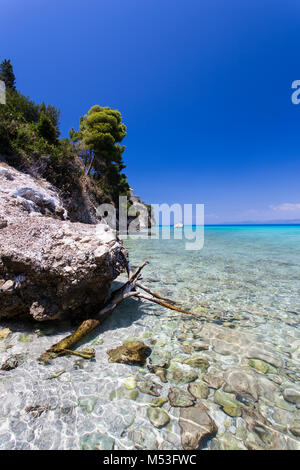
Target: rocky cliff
{"points": [[50, 266], [142, 215]]}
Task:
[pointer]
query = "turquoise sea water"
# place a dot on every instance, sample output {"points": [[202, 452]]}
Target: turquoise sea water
{"points": [[254, 268], [243, 292]]}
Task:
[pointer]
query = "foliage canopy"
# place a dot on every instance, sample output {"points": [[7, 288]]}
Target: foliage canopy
{"points": [[7, 74]]}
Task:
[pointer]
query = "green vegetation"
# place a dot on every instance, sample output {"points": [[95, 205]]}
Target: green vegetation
{"points": [[100, 134], [7, 74], [29, 132], [26, 128]]}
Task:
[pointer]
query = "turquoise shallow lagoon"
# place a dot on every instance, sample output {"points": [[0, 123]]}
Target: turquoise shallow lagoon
{"points": [[238, 352], [239, 268]]}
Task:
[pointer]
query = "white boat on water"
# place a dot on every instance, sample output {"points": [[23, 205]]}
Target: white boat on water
{"points": [[179, 225]]}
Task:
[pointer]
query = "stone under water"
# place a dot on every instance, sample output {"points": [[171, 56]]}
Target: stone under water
{"points": [[131, 352]]}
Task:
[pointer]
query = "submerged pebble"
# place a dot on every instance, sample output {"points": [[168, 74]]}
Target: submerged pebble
{"points": [[158, 417]]}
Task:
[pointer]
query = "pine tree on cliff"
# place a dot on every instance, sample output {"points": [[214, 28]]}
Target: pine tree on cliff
{"points": [[7, 74], [52, 113], [101, 131], [47, 129]]}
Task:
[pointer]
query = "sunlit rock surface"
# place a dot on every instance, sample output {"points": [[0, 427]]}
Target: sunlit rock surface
{"points": [[48, 265]]}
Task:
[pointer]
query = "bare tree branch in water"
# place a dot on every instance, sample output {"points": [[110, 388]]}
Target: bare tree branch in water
{"points": [[128, 290]]}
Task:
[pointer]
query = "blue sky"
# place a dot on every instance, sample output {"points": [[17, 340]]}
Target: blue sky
{"points": [[204, 88]]}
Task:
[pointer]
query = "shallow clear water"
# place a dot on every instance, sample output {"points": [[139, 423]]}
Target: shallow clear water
{"points": [[252, 269], [244, 292]]}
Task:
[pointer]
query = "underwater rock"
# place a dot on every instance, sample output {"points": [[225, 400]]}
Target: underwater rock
{"points": [[160, 357], [241, 383], [143, 439], [148, 386], [196, 427], [97, 342], [260, 435], [224, 348], [262, 353], [269, 437], [159, 371], [133, 394], [13, 361], [213, 381], [282, 418], [295, 427], [87, 404], [200, 346], [162, 374], [37, 410], [229, 404], [158, 417], [180, 398], [259, 365], [96, 441], [292, 396], [187, 349], [22, 338], [122, 392], [130, 383], [198, 389], [267, 389], [181, 337], [158, 402], [4, 333], [181, 373], [228, 442], [198, 362], [131, 352]]}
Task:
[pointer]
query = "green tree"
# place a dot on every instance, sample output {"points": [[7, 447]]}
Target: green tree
{"points": [[47, 129], [7, 74], [102, 131], [52, 113], [98, 142]]}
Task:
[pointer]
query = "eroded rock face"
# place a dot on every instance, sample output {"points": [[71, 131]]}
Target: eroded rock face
{"points": [[48, 265]]}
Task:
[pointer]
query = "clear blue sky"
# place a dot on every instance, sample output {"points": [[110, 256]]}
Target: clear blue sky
{"points": [[204, 88]]}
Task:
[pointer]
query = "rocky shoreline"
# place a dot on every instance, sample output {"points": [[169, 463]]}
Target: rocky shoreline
{"points": [[217, 379]]}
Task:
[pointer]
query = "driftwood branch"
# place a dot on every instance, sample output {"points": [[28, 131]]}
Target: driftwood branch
{"points": [[141, 286], [126, 291]]}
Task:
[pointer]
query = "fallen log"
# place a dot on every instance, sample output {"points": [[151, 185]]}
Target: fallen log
{"points": [[128, 290]]}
